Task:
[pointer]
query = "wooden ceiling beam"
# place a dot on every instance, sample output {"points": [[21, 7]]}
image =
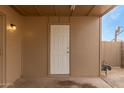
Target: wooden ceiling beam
{"points": [[54, 8], [95, 10], [113, 6], [91, 10], [19, 10], [100, 10], [37, 10]]}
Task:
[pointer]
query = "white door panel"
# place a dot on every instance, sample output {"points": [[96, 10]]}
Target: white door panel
{"points": [[59, 49]]}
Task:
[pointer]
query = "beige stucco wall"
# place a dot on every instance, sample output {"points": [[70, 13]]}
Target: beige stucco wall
{"points": [[13, 45], [111, 53], [84, 54], [84, 45], [1, 47], [34, 48]]}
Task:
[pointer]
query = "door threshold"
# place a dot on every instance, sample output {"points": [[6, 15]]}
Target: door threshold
{"points": [[59, 75]]}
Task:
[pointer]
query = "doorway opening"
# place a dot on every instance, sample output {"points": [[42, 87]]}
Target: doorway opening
{"points": [[112, 47]]}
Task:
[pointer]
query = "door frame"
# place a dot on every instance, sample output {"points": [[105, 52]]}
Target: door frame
{"points": [[48, 59], [4, 49], [100, 44]]}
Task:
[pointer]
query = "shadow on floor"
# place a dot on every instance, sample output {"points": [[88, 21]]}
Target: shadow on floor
{"points": [[74, 84], [21, 83]]}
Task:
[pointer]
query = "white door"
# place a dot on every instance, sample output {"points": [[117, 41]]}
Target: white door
{"points": [[1, 49], [59, 49]]}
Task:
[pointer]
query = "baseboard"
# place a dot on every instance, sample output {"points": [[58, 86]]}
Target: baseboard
{"points": [[1, 85], [7, 85]]}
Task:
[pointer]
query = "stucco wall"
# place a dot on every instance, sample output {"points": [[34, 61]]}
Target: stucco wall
{"points": [[84, 44], [13, 44]]}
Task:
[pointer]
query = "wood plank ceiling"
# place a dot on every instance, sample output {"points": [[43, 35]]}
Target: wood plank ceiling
{"points": [[62, 10]]}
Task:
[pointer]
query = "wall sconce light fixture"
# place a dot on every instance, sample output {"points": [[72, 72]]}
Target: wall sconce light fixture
{"points": [[11, 27]]}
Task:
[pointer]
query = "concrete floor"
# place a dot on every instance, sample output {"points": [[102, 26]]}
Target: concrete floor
{"points": [[115, 77], [60, 83]]}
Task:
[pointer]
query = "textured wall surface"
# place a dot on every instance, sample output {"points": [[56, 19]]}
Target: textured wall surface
{"points": [[84, 45], [13, 44], [111, 53]]}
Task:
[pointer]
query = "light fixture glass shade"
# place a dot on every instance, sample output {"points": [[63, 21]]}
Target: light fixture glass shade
{"points": [[12, 28]]}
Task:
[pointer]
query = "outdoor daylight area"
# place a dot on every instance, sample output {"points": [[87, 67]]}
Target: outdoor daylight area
{"points": [[112, 47], [111, 22]]}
